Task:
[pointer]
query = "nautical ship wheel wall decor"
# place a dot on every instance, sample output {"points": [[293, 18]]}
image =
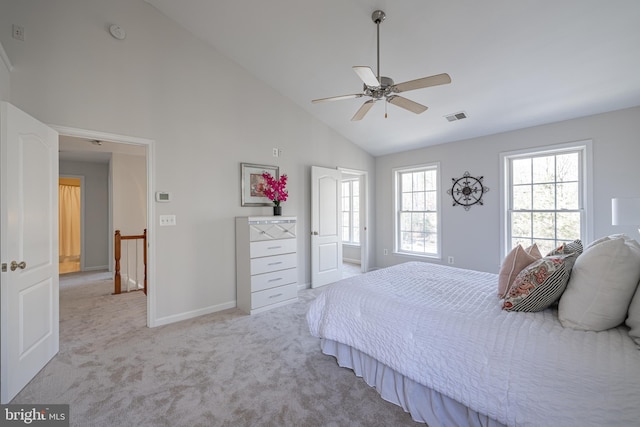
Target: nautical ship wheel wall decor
{"points": [[467, 191]]}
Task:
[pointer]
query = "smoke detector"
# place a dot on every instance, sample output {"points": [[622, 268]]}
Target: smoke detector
{"points": [[117, 32]]}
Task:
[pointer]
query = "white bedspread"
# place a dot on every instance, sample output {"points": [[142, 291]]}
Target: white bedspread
{"points": [[443, 327]]}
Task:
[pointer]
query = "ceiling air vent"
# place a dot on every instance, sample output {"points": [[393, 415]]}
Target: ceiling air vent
{"points": [[456, 116]]}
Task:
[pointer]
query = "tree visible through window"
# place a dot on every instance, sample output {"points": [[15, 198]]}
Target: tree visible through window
{"points": [[545, 199], [417, 227]]}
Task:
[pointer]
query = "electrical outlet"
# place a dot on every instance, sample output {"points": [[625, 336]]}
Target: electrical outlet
{"points": [[166, 220], [276, 152], [450, 260], [18, 32]]}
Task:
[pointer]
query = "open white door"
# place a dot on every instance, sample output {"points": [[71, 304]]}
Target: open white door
{"points": [[326, 240], [29, 248]]}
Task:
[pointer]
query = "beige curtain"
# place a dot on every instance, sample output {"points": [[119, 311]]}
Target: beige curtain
{"points": [[69, 221]]}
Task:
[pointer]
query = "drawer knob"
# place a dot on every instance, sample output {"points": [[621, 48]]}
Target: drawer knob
{"points": [[275, 296]]}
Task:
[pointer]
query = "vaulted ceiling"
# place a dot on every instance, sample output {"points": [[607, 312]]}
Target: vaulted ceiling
{"points": [[513, 64]]}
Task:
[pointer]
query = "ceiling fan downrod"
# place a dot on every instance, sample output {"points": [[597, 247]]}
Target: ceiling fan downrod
{"points": [[377, 17]]}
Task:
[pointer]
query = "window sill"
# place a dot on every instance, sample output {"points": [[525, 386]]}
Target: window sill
{"points": [[414, 255]]}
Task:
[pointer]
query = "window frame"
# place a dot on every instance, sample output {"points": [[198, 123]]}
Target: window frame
{"points": [[397, 195], [352, 182], [585, 181]]}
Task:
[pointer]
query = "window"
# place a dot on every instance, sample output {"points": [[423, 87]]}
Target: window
{"points": [[351, 211], [417, 212], [545, 197]]}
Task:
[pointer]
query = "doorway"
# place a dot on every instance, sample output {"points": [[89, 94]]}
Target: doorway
{"points": [[114, 152], [70, 223], [327, 229], [354, 222]]}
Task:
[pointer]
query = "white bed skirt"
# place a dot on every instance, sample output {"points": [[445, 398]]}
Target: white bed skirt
{"points": [[424, 404]]}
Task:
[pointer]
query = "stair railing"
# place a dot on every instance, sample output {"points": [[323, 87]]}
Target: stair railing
{"points": [[117, 279]]}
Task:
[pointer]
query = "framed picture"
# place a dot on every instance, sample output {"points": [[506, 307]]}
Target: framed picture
{"points": [[253, 183]]}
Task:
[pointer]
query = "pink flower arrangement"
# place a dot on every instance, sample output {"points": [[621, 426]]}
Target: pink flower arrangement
{"points": [[275, 190]]}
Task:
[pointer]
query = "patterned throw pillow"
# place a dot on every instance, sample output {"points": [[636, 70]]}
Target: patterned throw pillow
{"points": [[574, 247], [540, 284]]}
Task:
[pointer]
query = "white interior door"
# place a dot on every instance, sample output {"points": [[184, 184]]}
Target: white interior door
{"points": [[326, 240], [29, 226]]}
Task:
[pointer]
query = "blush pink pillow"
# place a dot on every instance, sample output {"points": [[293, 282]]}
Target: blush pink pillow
{"points": [[534, 251], [514, 263]]}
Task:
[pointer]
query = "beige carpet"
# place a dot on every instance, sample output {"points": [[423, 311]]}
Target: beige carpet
{"points": [[223, 369]]}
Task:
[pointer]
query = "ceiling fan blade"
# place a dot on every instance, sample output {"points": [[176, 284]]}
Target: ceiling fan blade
{"points": [[407, 104], [337, 98], [363, 110], [438, 79], [367, 75]]}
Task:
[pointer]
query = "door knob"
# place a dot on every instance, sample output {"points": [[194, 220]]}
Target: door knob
{"points": [[14, 265], [314, 233]]}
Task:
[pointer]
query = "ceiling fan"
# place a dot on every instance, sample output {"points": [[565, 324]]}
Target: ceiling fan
{"points": [[378, 87]]}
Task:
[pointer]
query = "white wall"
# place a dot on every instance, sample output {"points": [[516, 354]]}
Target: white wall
{"points": [[351, 253], [472, 237], [205, 113], [96, 214], [129, 185], [5, 80]]}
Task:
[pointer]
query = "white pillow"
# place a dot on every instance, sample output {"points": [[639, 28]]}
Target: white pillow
{"points": [[603, 281], [606, 238], [633, 319]]}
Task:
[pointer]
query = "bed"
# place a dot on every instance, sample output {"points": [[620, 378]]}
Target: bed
{"points": [[435, 340]]}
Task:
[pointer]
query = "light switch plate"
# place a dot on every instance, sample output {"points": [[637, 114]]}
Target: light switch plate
{"points": [[167, 220]]}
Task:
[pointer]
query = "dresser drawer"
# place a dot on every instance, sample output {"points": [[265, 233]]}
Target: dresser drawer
{"points": [[272, 247], [273, 295], [260, 282], [272, 263], [272, 231]]}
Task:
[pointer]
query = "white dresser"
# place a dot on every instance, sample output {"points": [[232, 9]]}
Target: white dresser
{"points": [[266, 261]]}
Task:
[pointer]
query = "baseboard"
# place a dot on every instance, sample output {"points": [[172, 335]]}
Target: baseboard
{"points": [[351, 261], [194, 313]]}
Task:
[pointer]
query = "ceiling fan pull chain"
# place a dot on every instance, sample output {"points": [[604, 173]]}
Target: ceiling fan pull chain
{"points": [[385, 109]]}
